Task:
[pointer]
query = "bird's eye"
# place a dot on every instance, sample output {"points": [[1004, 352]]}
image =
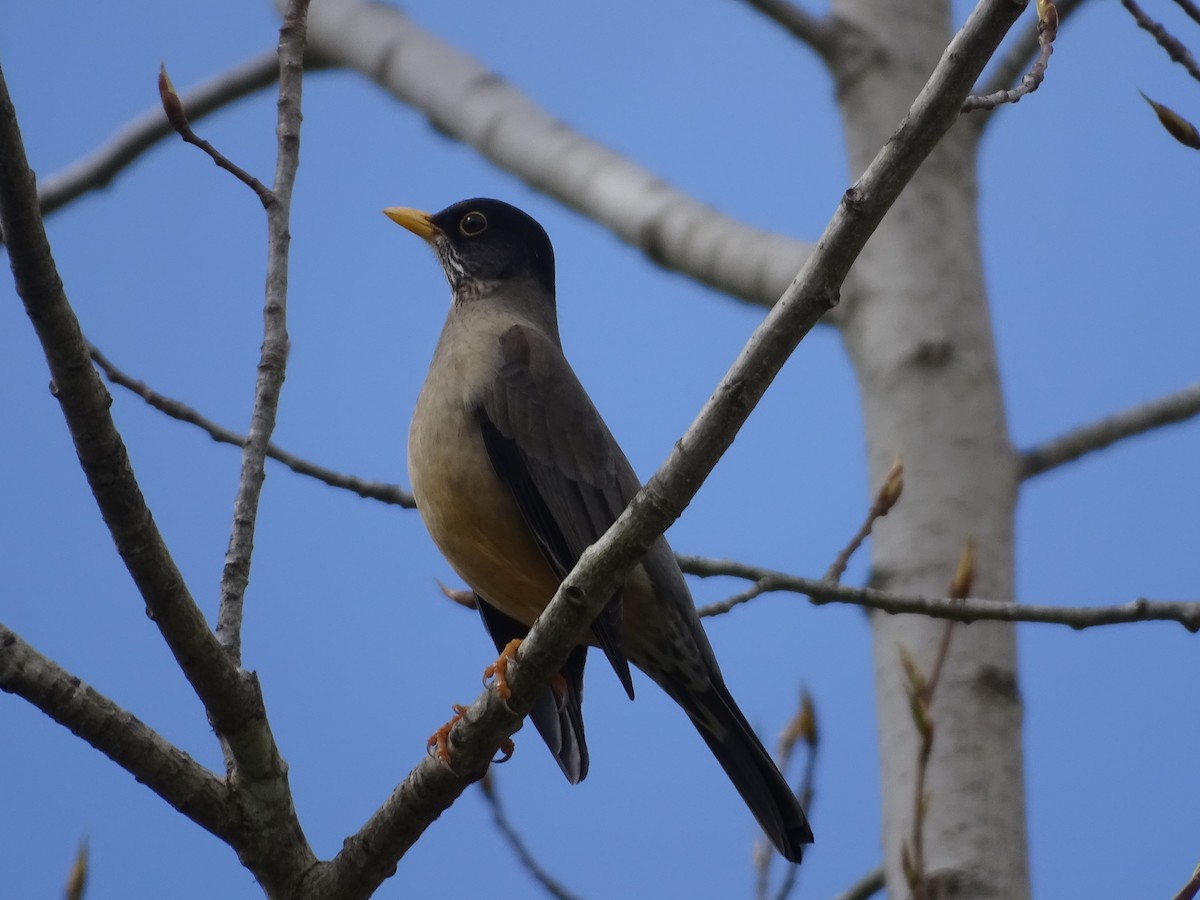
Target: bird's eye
{"points": [[473, 223]]}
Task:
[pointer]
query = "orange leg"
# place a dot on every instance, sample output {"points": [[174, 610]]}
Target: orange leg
{"points": [[439, 741], [499, 669]]}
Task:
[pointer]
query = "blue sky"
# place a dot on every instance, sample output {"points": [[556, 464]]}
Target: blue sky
{"points": [[1087, 213]]}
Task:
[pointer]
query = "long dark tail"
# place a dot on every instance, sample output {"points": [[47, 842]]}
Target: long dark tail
{"points": [[748, 765], [693, 680]]}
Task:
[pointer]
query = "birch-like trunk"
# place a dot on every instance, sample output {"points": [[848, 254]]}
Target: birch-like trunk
{"points": [[919, 337], [917, 329]]}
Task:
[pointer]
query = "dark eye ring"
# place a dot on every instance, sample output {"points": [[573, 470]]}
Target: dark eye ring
{"points": [[473, 223]]}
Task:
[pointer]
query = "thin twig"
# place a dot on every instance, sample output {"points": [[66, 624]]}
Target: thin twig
{"points": [[1192, 10], [866, 887], [177, 116], [1176, 51], [820, 592], [1192, 888], [551, 885], [232, 702], [921, 696], [272, 362], [371, 490], [814, 31], [760, 587], [185, 784], [232, 698], [1047, 30], [921, 691], [885, 498], [939, 660], [1172, 409], [98, 168], [959, 590], [1020, 54], [1177, 407]]}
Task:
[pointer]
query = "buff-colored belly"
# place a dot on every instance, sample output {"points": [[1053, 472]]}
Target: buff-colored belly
{"points": [[473, 518]]}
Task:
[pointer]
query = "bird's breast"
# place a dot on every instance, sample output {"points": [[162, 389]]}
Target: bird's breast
{"points": [[469, 512]]}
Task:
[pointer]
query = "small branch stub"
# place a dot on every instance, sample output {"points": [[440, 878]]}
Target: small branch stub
{"points": [[77, 877], [1047, 31], [885, 498], [173, 107]]}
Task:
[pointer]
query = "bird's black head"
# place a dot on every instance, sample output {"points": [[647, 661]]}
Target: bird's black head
{"points": [[483, 241]]}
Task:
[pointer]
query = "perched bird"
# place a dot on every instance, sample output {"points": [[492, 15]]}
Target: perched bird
{"points": [[515, 474]]}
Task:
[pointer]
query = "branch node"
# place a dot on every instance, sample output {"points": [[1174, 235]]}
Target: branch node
{"points": [[1047, 30]]}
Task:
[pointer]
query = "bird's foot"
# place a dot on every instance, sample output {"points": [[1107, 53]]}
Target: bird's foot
{"points": [[439, 741], [507, 748], [499, 669]]}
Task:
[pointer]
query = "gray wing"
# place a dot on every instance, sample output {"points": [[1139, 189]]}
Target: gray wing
{"points": [[569, 477]]}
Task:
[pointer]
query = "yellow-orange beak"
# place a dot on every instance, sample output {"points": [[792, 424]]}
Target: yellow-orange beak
{"points": [[419, 223]]}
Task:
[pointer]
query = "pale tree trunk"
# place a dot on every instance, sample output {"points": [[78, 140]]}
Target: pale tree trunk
{"points": [[920, 340], [917, 329]]}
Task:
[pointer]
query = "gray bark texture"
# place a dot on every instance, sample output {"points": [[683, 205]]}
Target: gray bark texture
{"points": [[919, 336]]}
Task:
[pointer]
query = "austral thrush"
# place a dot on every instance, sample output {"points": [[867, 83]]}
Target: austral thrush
{"points": [[515, 474]]}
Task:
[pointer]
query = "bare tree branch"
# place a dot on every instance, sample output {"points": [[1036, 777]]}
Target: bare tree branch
{"points": [[548, 882], [470, 104], [1176, 51], [820, 592], [272, 363], [230, 700], [372, 490], [921, 689], [1047, 30], [885, 498], [757, 589], [1192, 10], [177, 116], [1177, 407], [815, 31], [98, 168], [865, 888], [374, 851], [1020, 55], [169, 772], [275, 848], [1192, 888], [371, 855]]}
